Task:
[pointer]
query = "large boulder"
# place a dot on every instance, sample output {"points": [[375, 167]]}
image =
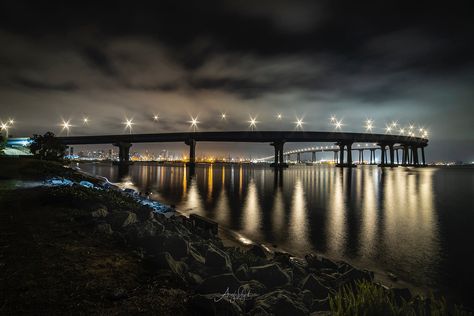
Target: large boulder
{"points": [[242, 273], [121, 219], [257, 251], [316, 262], [176, 246], [271, 275], [220, 284], [165, 261], [144, 213], [313, 284], [353, 275], [216, 258], [145, 229], [279, 302]]}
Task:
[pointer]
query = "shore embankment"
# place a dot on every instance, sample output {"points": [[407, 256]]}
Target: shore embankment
{"points": [[71, 249]]}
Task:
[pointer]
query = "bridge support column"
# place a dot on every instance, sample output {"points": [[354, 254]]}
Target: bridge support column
{"points": [[392, 155], [348, 163], [415, 155], [423, 155], [298, 158], [279, 158], [335, 156], [406, 155], [192, 151], [382, 155], [124, 152], [313, 156]]}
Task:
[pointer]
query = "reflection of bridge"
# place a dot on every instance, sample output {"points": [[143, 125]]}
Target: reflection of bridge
{"points": [[334, 149], [410, 145]]}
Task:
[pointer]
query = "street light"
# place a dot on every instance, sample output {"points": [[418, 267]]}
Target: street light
{"points": [[156, 117], [66, 125], [4, 127], [299, 123], [194, 122], [253, 123], [279, 116], [338, 124], [128, 124], [388, 129], [85, 120], [369, 125]]}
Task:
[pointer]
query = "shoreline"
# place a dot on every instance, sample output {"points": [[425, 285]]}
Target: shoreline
{"points": [[193, 269]]}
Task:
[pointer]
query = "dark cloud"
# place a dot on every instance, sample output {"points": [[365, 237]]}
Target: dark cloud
{"points": [[410, 62]]}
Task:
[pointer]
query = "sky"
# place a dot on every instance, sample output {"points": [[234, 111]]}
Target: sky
{"points": [[406, 62]]}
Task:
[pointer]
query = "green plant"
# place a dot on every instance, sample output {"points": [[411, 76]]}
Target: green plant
{"points": [[47, 147], [367, 299]]}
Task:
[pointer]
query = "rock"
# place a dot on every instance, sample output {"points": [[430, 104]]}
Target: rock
{"points": [[121, 219], [307, 298], [279, 302], [282, 258], [194, 278], [104, 228], [319, 262], [242, 273], [257, 251], [271, 275], [254, 288], [195, 254], [165, 261], [353, 275], [145, 229], [217, 258], [313, 284], [320, 304], [176, 246], [100, 211], [215, 305], [321, 313], [219, 284], [144, 214]]}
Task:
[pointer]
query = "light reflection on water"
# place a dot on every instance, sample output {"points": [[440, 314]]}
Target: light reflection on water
{"points": [[381, 219]]}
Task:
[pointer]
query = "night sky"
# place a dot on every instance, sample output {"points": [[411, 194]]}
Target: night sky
{"points": [[108, 61]]}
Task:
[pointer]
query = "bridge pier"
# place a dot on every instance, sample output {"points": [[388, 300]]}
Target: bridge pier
{"points": [[192, 151], [423, 156], [348, 163], [298, 158], [313, 156], [335, 156], [124, 152], [279, 160]]}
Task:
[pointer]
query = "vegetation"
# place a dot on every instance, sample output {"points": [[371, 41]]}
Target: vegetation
{"points": [[367, 298], [47, 147]]}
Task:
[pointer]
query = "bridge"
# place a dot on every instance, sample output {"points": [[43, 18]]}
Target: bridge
{"points": [[344, 142], [360, 148]]}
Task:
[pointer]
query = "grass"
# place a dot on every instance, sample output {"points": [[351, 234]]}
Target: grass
{"points": [[367, 299]]}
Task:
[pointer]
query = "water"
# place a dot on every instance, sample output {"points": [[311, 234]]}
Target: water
{"points": [[415, 223]]}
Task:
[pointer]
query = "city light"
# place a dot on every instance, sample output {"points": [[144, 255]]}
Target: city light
{"points": [[299, 123], [66, 125], [253, 123], [5, 127], [369, 125], [388, 129], [394, 124], [333, 119], [279, 116], [128, 124], [156, 117], [194, 122], [223, 116], [11, 121], [85, 120]]}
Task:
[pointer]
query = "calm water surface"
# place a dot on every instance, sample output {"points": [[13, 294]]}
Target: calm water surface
{"points": [[416, 223]]}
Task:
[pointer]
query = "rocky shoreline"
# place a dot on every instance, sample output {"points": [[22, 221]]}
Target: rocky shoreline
{"points": [[214, 279]]}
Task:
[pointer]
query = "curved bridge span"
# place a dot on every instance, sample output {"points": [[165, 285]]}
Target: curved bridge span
{"points": [[277, 139]]}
